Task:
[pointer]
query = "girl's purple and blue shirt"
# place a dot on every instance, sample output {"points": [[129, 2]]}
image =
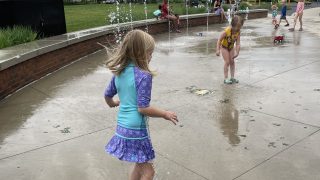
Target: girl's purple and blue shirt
{"points": [[133, 87]]}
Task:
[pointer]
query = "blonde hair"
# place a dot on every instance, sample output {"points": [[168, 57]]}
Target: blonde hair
{"points": [[134, 49], [274, 6], [237, 21]]}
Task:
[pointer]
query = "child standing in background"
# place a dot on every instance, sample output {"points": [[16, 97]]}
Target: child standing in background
{"points": [[132, 81], [274, 15], [225, 44], [284, 13], [299, 13]]}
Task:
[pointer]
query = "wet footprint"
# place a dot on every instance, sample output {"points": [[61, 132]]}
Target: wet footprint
{"points": [[225, 101], [65, 130], [272, 144], [244, 111]]}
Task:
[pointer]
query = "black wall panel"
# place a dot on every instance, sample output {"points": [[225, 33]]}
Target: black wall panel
{"points": [[44, 16]]}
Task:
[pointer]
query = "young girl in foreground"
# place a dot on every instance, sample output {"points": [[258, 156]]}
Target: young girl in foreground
{"points": [[225, 44], [132, 81]]}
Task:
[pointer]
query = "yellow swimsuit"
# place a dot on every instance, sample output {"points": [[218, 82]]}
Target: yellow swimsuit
{"points": [[229, 40]]}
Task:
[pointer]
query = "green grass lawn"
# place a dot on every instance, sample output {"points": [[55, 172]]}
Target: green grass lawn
{"points": [[79, 17], [16, 35]]}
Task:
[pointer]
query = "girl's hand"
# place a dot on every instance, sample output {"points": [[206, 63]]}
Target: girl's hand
{"points": [[112, 103], [171, 116], [235, 56], [116, 103], [218, 53]]}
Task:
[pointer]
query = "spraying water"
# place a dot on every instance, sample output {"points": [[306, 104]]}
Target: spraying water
{"points": [[207, 15], [229, 16], [247, 13], [146, 14], [169, 24], [249, 39], [118, 34], [130, 12], [187, 13]]}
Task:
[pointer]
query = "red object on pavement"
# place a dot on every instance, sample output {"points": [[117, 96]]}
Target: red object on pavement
{"points": [[278, 39]]}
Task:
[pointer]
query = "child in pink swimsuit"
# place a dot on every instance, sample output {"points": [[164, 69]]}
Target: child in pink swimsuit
{"points": [[299, 13]]}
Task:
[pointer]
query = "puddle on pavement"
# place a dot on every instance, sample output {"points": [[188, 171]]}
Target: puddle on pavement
{"points": [[229, 123], [198, 91]]}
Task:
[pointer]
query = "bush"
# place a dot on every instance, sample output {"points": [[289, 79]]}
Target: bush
{"points": [[177, 1], [16, 35], [225, 7], [244, 5]]}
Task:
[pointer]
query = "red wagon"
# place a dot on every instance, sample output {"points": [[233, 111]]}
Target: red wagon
{"points": [[278, 39]]}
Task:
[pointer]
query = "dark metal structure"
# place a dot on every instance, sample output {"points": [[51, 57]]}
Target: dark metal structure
{"points": [[46, 17]]}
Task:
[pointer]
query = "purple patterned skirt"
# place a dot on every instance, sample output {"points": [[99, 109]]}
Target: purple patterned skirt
{"points": [[131, 145]]}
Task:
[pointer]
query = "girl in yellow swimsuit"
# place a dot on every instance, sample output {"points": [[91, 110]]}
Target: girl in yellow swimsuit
{"points": [[225, 44]]}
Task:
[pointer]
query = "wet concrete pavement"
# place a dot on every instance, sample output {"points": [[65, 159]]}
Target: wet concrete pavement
{"points": [[265, 127]]}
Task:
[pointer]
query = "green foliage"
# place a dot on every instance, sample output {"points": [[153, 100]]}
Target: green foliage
{"points": [[225, 7], [75, 2], [244, 5], [177, 1], [265, 4], [16, 35]]}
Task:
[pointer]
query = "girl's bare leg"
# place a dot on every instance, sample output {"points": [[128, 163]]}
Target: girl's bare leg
{"points": [[135, 173], [147, 171], [174, 20], [224, 14], [221, 18], [300, 20], [226, 57], [295, 20], [232, 65], [178, 21]]}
